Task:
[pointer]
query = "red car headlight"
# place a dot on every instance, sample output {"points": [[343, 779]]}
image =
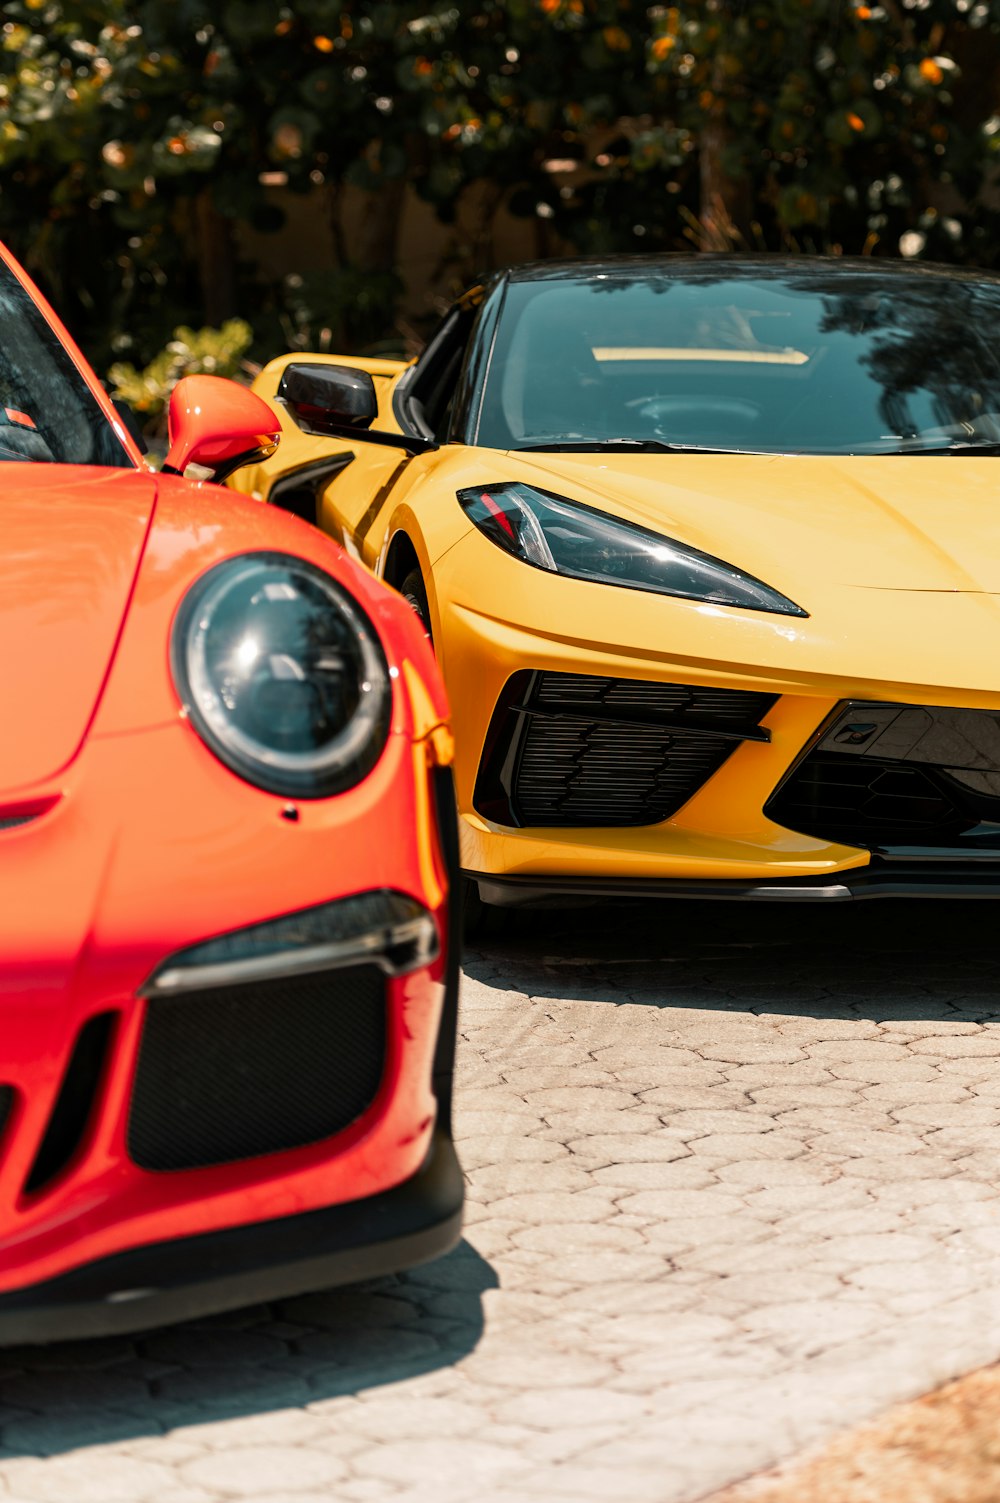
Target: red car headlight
{"points": [[282, 674]]}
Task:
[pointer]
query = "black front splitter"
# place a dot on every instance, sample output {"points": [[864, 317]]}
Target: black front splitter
{"points": [[893, 879], [266, 1260]]}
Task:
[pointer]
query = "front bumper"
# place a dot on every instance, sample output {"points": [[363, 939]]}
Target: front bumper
{"points": [[153, 847], [727, 833], [224, 1270]]}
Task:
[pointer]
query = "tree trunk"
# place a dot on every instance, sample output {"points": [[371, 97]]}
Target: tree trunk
{"points": [[379, 235], [216, 260], [726, 210]]}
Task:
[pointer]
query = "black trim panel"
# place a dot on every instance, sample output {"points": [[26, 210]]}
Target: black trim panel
{"points": [[446, 819], [299, 490], [194, 1276]]}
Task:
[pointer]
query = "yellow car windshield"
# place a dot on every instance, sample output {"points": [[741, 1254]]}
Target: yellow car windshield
{"points": [[814, 357]]}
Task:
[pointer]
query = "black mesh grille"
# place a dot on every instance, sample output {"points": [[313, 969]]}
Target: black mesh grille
{"points": [[576, 773], [569, 749], [6, 1104], [730, 709], [889, 775], [240, 1071]]}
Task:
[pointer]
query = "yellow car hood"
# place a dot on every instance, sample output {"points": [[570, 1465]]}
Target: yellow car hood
{"points": [[805, 524]]}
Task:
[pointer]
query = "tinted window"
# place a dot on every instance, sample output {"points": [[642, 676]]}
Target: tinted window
{"points": [[824, 360], [47, 412]]}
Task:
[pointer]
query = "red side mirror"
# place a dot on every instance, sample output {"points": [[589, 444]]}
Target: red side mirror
{"points": [[217, 425]]}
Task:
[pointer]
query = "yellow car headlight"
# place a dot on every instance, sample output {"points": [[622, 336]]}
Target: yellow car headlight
{"points": [[566, 537]]}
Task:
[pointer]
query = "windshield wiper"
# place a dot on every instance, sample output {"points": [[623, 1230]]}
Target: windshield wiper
{"points": [[989, 446], [615, 446]]}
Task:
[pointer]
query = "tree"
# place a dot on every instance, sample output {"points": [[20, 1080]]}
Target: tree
{"points": [[138, 134]]}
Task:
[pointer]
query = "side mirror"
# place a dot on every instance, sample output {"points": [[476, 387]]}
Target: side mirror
{"points": [[217, 425], [326, 399]]}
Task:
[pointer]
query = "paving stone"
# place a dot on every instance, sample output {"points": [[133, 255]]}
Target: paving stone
{"points": [[666, 1205], [692, 1125], [566, 1127], [960, 1046], [608, 1149], [90, 1476], [579, 1236], [702, 1231], [585, 1205], [678, 1174], [767, 1173], [513, 1178], [259, 1471], [488, 1149], [754, 1053], [440, 1460], [555, 1408], [741, 1147], [915, 1092], [916, 1166], [875, 1071]]}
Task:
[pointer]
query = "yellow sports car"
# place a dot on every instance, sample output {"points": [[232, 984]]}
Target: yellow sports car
{"points": [[709, 550]]}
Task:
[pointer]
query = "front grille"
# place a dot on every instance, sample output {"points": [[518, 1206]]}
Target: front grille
{"points": [[240, 1071], [569, 749], [885, 775]]}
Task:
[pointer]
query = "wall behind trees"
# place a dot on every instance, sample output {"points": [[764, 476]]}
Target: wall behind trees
{"points": [[331, 170]]}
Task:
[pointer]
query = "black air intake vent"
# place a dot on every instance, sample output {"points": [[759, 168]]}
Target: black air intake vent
{"points": [[76, 1102], [569, 749], [889, 775], [236, 1072]]}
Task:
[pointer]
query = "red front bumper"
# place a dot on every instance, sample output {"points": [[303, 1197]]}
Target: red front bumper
{"points": [[152, 846]]}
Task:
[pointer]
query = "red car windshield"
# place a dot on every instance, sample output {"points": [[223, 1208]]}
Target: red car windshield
{"points": [[47, 411]]}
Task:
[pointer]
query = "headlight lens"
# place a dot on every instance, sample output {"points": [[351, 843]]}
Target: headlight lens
{"points": [[283, 675], [566, 537]]}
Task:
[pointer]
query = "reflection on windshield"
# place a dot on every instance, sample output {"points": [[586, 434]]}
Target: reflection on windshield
{"points": [[820, 358], [47, 412]]}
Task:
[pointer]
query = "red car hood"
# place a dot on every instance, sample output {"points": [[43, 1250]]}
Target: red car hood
{"points": [[72, 538]]}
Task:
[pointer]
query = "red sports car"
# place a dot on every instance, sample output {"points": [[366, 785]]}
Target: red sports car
{"points": [[227, 982]]}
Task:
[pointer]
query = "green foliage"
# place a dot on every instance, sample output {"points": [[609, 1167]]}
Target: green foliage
{"points": [[337, 310], [191, 352], [134, 134]]}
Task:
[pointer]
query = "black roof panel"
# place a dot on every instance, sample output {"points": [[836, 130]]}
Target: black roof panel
{"points": [[716, 264]]}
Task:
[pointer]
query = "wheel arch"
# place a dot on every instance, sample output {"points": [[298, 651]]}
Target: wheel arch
{"points": [[400, 558]]}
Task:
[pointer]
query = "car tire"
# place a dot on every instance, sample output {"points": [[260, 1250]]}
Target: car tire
{"points": [[413, 592]]}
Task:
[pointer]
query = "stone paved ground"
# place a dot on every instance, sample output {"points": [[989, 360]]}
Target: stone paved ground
{"points": [[732, 1186]]}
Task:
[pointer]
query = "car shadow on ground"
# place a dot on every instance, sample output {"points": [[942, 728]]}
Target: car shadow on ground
{"points": [[876, 958], [247, 1364]]}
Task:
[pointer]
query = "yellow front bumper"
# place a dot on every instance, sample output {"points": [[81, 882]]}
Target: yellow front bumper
{"points": [[496, 616]]}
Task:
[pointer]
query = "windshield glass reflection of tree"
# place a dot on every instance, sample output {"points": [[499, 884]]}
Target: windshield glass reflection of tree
{"points": [[47, 411], [828, 360]]}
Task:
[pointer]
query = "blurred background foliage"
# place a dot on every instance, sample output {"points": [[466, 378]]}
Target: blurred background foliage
{"points": [[143, 141]]}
